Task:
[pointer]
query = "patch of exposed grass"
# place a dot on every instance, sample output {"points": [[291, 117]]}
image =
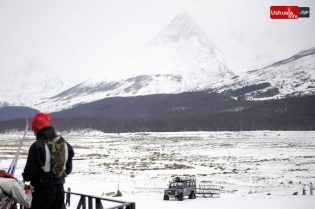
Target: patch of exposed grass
{"points": [[177, 166], [306, 163], [97, 156], [75, 146]]}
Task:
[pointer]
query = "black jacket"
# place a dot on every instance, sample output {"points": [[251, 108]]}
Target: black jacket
{"points": [[36, 159]]}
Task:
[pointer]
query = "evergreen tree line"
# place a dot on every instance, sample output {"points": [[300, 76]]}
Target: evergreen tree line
{"points": [[183, 112]]}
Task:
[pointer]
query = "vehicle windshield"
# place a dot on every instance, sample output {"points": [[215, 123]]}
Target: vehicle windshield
{"points": [[176, 185]]}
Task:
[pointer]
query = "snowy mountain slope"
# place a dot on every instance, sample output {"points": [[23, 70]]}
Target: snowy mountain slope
{"points": [[29, 84], [89, 92], [290, 77], [294, 76], [179, 59]]}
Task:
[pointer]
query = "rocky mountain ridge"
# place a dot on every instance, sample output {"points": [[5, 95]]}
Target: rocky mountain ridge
{"points": [[294, 76]]}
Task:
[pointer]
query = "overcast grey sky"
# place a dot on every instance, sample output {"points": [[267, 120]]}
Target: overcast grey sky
{"points": [[79, 37]]}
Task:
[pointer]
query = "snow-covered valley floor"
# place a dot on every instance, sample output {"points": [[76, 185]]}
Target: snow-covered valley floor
{"points": [[278, 163]]}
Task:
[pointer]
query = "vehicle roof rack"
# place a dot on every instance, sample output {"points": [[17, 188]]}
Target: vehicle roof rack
{"points": [[184, 178]]}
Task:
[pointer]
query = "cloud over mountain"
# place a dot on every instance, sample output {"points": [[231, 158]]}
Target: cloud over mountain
{"points": [[30, 84]]}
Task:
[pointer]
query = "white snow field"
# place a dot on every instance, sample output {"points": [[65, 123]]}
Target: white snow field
{"points": [[278, 163]]}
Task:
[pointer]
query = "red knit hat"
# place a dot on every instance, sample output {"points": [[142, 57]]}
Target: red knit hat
{"points": [[40, 120]]}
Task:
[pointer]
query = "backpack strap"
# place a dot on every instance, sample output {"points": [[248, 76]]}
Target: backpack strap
{"points": [[47, 165]]}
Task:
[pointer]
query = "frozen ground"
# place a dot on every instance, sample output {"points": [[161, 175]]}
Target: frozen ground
{"points": [[142, 164]]}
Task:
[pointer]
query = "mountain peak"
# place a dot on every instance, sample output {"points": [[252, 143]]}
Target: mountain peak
{"points": [[182, 26], [182, 17], [34, 66]]}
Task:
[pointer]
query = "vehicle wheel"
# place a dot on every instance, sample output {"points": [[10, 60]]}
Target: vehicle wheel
{"points": [[192, 195], [181, 197], [166, 197]]}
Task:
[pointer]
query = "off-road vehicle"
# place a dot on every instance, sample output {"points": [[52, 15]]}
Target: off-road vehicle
{"points": [[181, 187]]}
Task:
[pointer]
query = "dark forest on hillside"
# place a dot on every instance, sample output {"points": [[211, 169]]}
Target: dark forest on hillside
{"points": [[196, 111]]}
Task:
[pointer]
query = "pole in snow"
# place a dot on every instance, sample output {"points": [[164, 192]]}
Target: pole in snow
{"points": [[15, 159]]}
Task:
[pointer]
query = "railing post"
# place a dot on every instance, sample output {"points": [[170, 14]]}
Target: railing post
{"points": [[98, 204], [131, 206], [90, 203], [82, 202]]}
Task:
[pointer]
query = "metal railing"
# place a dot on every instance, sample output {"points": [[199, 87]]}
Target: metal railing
{"points": [[209, 190], [86, 202], [94, 202]]}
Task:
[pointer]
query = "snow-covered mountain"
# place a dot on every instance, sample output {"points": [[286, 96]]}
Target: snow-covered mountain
{"points": [[29, 85], [180, 58], [294, 76]]}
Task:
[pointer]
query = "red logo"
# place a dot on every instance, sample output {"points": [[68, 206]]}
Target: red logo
{"points": [[284, 12]]}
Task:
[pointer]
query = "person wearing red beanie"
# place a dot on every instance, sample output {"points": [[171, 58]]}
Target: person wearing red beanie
{"points": [[48, 191], [40, 120]]}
